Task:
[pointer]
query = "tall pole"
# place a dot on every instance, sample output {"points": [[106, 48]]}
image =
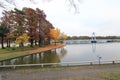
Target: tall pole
{"points": [[93, 39]]}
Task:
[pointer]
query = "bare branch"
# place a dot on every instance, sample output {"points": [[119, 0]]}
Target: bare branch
{"points": [[11, 2], [2, 5], [74, 4], [6, 4]]}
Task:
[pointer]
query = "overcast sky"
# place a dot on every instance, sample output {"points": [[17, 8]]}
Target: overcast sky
{"points": [[99, 16]]}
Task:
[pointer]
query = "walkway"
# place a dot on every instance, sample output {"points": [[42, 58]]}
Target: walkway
{"points": [[64, 73], [46, 48]]}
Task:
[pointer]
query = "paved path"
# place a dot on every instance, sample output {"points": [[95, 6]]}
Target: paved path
{"points": [[59, 73]]}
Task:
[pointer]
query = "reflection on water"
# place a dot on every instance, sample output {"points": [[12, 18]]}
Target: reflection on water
{"points": [[92, 52], [51, 56], [72, 53], [93, 47]]}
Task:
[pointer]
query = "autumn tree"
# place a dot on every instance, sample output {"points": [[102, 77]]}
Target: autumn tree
{"points": [[21, 40], [54, 34], [18, 22], [63, 36], [14, 19], [30, 21], [6, 19], [43, 26]]}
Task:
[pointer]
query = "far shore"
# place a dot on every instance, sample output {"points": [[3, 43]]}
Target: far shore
{"points": [[10, 55]]}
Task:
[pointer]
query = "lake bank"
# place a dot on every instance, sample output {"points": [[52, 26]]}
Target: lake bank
{"points": [[4, 56]]}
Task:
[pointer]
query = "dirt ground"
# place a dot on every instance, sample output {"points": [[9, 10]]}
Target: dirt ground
{"points": [[60, 73]]}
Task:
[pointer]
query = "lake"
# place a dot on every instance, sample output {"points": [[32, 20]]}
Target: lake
{"points": [[91, 52], [72, 53]]}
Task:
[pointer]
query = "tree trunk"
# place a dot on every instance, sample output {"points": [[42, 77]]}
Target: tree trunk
{"points": [[31, 41], [2, 42], [35, 42], [39, 42], [48, 40], [21, 44], [9, 43]]}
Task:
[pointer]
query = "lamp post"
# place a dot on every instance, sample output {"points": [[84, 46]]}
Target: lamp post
{"points": [[99, 59]]}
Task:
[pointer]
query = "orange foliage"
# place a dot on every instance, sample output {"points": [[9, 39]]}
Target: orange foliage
{"points": [[64, 36], [54, 34]]}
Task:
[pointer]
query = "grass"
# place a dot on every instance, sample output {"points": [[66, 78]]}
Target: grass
{"points": [[110, 75], [9, 53], [14, 52], [79, 79], [13, 49]]}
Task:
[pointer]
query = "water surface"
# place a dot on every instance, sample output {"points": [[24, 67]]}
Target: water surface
{"points": [[72, 53]]}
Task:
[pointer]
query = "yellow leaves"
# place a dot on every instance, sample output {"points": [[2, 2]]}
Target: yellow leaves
{"points": [[25, 37], [54, 33], [19, 40], [63, 36], [22, 39]]}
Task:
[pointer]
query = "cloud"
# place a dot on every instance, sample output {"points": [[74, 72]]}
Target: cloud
{"points": [[99, 16]]}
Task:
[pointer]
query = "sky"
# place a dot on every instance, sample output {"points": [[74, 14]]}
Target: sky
{"points": [[99, 16]]}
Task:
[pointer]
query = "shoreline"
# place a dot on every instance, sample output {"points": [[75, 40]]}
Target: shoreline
{"points": [[13, 55]]}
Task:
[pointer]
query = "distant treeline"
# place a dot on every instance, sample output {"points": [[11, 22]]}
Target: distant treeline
{"points": [[97, 37]]}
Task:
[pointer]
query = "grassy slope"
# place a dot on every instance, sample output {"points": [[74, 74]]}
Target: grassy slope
{"points": [[9, 53]]}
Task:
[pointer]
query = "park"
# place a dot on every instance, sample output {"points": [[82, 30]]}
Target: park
{"points": [[59, 40]]}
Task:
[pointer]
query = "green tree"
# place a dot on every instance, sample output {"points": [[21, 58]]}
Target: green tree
{"points": [[3, 32]]}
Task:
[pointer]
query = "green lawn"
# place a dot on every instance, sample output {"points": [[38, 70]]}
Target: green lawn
{"points": [[101, 76], [17, 51], [110, 75], [79, 79], [8, 53]]}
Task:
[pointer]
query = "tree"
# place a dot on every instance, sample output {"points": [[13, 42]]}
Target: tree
{"points": [[6, 19], [32, 21], [24, 38], [36, 24], [3, 32], [14, 19], [42, 25], [63, 36], [54, 34], [17, 21], [8, 38]]}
